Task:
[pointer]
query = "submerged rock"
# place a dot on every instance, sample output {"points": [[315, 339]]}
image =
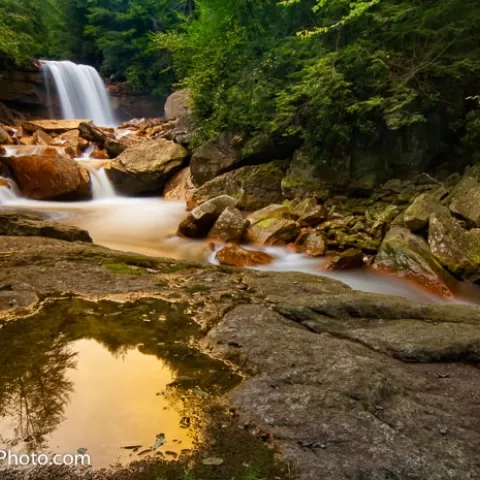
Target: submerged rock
{"points": [[202, 218], [145, 168], [48, 177], [407, 255], [236, 256], [253, 187]]}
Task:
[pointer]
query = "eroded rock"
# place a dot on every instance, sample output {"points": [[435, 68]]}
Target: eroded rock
{"points": [[416, 216], [230, 226], [407, 255]]}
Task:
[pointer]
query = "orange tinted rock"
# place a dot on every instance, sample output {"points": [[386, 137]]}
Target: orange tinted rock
{"points": [[235, 256], [99, 154], [180, 186], [42, 138], [310, 243], [4, 183], [45, 177]]}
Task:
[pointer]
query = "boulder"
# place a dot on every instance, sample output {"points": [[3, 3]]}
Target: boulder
{"points": [[235, 256], [457, 249], [407, 255], [230, 226], [201, 219], [350, 259], [178, 105], [113, 147], [465, 198], [5, 138], [273, 231], [72, 140], [180, 187], [417, 214], [53, 126], [275, 210], [27, 225], [253, 187], [310, 243], [145, 168], [307, 212], [213, 158], [42, 138], [47, 177]]}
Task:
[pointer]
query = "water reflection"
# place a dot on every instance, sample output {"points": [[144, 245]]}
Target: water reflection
{"points": [[101, 376]]}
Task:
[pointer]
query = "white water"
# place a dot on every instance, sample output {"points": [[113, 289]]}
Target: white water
{"points": [[101, 185], [81, 91]]}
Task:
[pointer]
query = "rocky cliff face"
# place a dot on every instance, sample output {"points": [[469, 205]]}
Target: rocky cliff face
{"points": [[21, 88]]}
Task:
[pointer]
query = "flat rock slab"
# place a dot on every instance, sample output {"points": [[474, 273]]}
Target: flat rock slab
{"points": [[56, 126], [341, 407]]}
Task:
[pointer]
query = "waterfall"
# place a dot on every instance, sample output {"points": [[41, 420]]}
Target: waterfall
{"points": [[101, 185], [81, 91], [7, 194]]}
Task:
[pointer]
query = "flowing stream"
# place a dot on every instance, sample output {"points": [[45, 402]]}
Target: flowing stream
{"points": [[81, 91]]}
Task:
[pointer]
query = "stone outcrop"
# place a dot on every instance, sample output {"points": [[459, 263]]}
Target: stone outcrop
{"points": [[48, 177], [145, 168], [253, 187], [53, 126], [310, 243], [5, 138], [178, 105], [408, 256]]}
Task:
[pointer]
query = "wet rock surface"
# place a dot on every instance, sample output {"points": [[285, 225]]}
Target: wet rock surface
{"points": [[345, 384]]}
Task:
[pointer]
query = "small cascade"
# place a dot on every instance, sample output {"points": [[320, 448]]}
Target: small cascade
{"points": [[81, 91], [8, 193], [101, 185]]}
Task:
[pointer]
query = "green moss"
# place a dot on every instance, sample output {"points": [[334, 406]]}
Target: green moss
{"points": [[266, 223], [224, 269], [124, 269]]}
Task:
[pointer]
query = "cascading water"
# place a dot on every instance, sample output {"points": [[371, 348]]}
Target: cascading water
{"points": [[101, 185], [8, 192], [81, 91]]}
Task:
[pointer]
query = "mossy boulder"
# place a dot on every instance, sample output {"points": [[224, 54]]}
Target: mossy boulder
{"points": [[465, 198], [456, 248], [407, 255], [417, 214], [253, 187]]}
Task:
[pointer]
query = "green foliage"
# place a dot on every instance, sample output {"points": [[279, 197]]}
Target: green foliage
{"points": [[22, 28], [336, 73]]}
